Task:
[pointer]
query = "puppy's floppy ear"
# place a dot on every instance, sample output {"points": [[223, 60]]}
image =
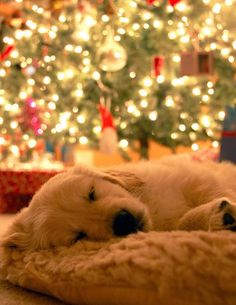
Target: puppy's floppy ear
{"points": [[16, 236], [14, 240], [127, 180]]}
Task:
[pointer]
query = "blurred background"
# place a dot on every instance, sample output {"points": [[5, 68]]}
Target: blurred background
{"points": [[109, 81], [105, 82]]}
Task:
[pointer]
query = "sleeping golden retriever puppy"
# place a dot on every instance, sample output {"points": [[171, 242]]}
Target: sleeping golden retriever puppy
{"points": [[96, 204]]}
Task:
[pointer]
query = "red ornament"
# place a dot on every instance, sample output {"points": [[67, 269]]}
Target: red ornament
{"points": [[158, 63], [107, 119], [108, 140], [31, 116], [44, 50], [173, 2], [6, 52]]}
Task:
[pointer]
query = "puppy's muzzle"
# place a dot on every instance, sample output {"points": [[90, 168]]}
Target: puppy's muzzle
{"points": [[125, 223]]}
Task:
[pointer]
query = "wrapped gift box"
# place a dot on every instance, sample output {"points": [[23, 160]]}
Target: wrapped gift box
{"points": [[228, 140], [18, 187]]}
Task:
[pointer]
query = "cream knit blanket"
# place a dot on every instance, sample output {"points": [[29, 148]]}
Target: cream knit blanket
{"points": [[168, 268]]}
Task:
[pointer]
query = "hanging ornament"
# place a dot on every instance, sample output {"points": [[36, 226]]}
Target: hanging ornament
{"points": [[112, 55], [158, 63], [196, 62], [45, 50], [150, 2], [108, 141], [31, 119], [171, 2], [6, 52], [31, 69], [82, 6]]}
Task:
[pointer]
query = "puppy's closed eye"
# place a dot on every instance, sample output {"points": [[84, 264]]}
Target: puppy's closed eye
{"points": [[91, 194], [80, 235]]}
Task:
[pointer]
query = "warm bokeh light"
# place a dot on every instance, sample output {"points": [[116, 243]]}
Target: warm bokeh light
{"points": [[67, 65]]}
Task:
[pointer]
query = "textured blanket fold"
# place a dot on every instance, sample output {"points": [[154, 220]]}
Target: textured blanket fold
{"points": [[168, 268]]}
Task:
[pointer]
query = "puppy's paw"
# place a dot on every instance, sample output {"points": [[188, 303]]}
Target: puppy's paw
{"points": [[223, 216]]}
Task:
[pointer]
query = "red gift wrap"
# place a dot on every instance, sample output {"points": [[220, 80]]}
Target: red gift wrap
{"points": [[18, 187]]}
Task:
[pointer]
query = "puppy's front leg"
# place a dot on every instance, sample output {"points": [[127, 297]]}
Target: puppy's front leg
{"points": [[216, 215]]}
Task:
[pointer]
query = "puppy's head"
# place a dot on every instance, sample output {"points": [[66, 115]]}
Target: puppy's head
{"points": [[82, 203]]}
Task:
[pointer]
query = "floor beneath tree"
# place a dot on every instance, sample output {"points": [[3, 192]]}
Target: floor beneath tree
{"points": [[5, 221]]}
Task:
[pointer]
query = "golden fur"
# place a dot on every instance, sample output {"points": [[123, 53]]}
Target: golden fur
{"points": [[169, 194]]}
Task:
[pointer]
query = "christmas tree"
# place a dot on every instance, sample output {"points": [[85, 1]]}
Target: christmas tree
{"points": [[156, 70]]}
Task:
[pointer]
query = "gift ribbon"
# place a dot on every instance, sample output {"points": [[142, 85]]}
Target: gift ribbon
{"points": [[227, 133], [6, 52]]}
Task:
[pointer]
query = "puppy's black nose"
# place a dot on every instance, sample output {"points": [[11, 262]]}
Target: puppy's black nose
{"points": [[124, 223], [228, 219]]}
